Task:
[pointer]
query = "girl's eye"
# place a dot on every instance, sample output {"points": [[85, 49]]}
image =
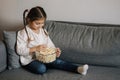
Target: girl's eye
{"points": [[39, 23]]}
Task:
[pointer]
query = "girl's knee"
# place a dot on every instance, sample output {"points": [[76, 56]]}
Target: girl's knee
{"points": [[59, 61], [41, 69]]}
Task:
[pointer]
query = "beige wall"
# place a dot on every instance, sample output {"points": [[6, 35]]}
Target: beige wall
{"points": [[98, 11]]}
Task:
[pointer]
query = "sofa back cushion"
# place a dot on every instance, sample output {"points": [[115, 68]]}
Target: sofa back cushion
{"points": [[95, 44]]}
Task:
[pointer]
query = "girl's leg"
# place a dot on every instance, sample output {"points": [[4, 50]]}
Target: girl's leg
{"points": [[36, 67], [63, 65]]}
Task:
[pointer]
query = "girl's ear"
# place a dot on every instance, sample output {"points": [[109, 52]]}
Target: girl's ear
{"points": [[28, 20]]}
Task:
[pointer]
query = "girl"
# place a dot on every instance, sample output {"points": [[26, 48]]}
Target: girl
{"points": [[35, 38]]}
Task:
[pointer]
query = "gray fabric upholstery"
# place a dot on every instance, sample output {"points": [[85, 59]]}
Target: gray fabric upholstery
{"points": [[21, 74], [82, 43], [102, 73], [3, 57], [10, 40], [94, 73], [95, 44]]}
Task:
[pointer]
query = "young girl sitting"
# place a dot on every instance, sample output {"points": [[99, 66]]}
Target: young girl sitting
{"points": [[35, 38]]}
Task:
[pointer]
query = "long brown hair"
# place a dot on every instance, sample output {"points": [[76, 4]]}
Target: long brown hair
{"points": [[34, 13]]}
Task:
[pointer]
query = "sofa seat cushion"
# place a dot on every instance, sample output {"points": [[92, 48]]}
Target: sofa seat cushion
{"points": [[94, 73], [102, 73], [51, 74]]}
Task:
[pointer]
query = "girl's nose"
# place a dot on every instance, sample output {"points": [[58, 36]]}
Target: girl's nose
{"points": [[42, 24]]}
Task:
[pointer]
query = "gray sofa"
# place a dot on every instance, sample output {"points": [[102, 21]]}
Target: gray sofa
{"points": [[82, 43]]}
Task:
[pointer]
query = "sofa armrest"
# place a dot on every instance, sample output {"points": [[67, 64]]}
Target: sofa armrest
{"points": [[3, 56]]}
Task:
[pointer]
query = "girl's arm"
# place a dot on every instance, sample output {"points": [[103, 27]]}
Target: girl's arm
{"points": [[50, 43], [22, 45], [38, 48], [22, 48]]}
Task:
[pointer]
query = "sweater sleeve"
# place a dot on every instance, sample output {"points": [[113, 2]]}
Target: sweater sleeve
{"points": [[50, 43], [22, 48]]}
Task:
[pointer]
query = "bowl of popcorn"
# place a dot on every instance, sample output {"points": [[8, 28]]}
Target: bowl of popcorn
{"points": [[46, 56]]}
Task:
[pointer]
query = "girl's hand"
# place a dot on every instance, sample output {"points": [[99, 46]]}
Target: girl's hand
{"points": [[58, 52], [41, 47], [38, 48]]}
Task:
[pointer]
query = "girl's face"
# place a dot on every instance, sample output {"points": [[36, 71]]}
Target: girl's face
{"points": [[37, 24]]}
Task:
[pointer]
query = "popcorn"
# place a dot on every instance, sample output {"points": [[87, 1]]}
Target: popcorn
{"points": [[47, 56]]}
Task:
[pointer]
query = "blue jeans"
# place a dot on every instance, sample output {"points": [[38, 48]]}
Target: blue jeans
{"points": [[40, 68]]}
